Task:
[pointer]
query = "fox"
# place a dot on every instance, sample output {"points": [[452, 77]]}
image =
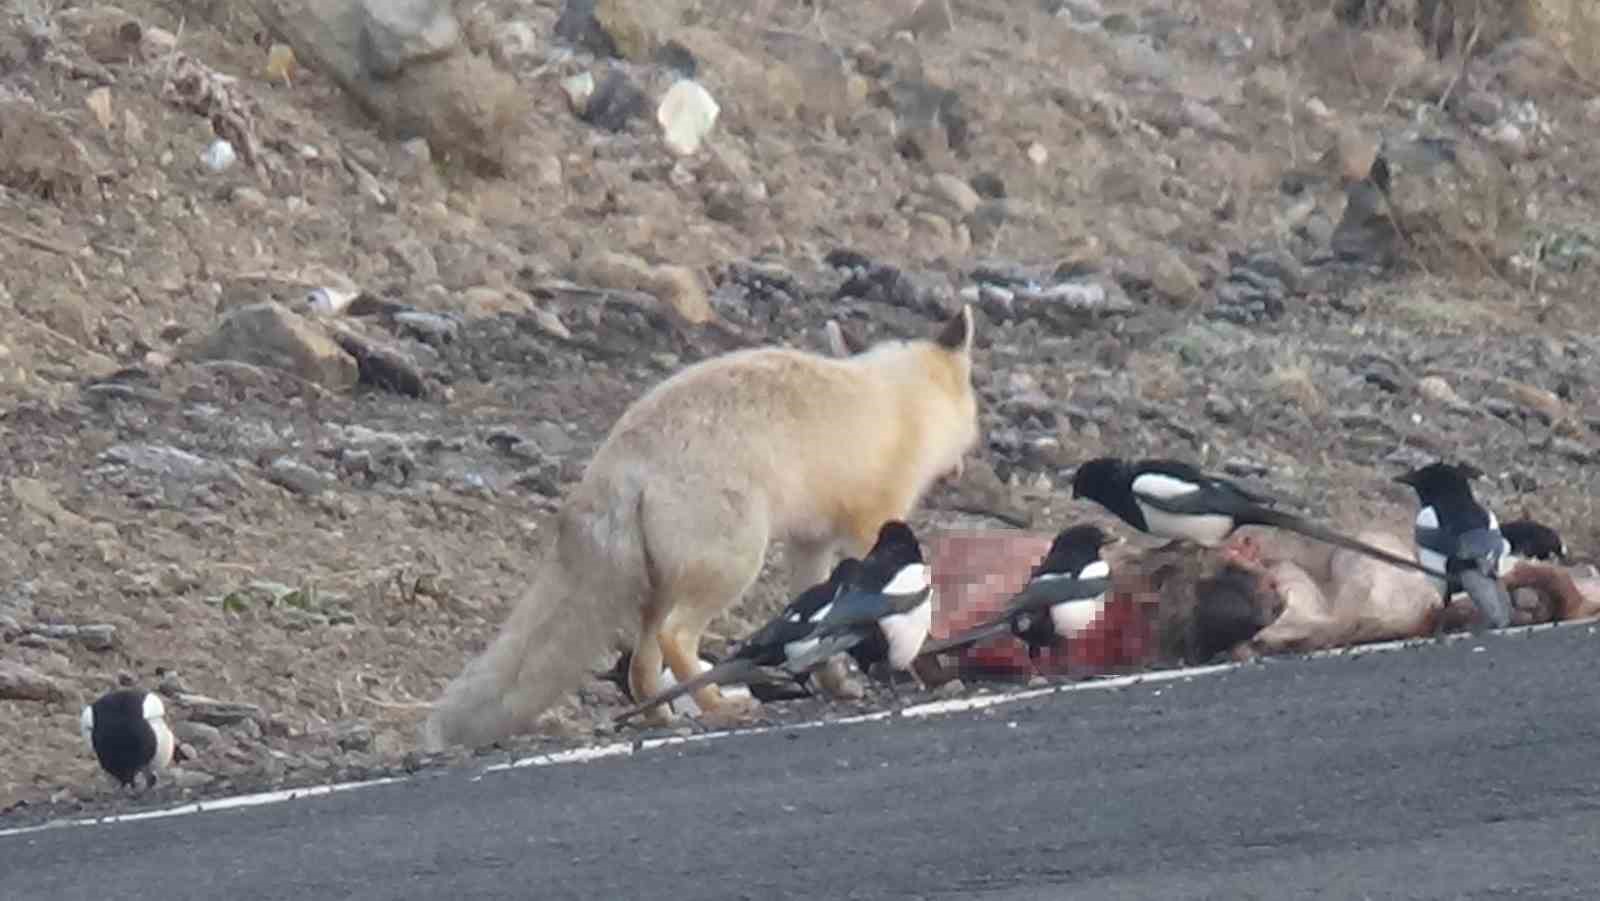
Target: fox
{"points": [[670, 522]]}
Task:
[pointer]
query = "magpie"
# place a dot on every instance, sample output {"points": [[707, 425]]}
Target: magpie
{"points": [[1175, 500], [782, 637], [1065, 592], [1529, 540], [883, 615], [127, 730], [1458, 538], [871, 608]]}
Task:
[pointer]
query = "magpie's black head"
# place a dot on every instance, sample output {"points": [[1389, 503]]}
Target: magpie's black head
{"points": [[1533, 540], [896, 545], [844, 572], [1441, 480], [1101, 479], [1074, 548]]}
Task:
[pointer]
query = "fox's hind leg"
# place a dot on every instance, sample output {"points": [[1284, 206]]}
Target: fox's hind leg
{"points": [[698, 591], [644, 670]]}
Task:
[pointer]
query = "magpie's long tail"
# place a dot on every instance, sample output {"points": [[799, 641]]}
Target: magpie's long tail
{"points": [[738, 669], [1279, 519], [1489, 596], [970, 637]]}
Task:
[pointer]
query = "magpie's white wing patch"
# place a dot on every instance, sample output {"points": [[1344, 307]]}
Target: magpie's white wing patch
{"points": [[1427, 518], [1162, 487], [911, 579], [86, 724], [1099, 569], [821, 613]]}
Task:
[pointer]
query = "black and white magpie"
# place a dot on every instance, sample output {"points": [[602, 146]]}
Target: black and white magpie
{"points": [[783, 637], [883, 615], [1175, 500], [877, 609], [127, 730], [1065, 592], [1526, 539], [1460, 538]]}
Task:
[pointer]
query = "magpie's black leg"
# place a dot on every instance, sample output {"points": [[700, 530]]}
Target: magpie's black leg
{"points": [[1438, 623]]}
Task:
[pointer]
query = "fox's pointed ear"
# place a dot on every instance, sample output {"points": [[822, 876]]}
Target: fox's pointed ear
{"points": [[956, 333]]}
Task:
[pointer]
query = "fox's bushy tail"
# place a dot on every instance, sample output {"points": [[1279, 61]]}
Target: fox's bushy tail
{"points": [[591, 584]]}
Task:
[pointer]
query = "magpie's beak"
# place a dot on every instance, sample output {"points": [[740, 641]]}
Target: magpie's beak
{"points": [[1404, 479]]}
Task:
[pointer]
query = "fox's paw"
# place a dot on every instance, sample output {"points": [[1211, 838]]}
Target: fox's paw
{"points": [[729, 711]]}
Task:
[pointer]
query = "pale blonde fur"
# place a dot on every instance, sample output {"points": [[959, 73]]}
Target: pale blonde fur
{"points": [[673, 517]]}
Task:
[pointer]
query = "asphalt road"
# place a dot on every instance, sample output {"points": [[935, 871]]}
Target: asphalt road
{"points": [[1470, 770]]}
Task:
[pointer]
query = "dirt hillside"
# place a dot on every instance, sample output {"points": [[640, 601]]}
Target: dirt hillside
{"points": [[1169, 216]]}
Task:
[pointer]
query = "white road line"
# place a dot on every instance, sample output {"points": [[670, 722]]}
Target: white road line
{"points": [[931, 708]]}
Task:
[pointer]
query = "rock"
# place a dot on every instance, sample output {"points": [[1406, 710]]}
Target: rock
{"points": [[219, 155], [107, 34], [295, 476], [1545, 405], [188, 779], [59, 307], [607, 28], [415, 258], [675, 286], [1256, 288], [353, 736], [99, 103], [931, 18], [1572, 27], [956, 192], [399, 33], [686, 115], [383, 366], [677, 59], [578, 88], [430, 328], [248, 198], [483, 301], [168, 462], [616, 102], [549, 323], [36, 498], [1455, 200], [39, 155], [267, 334], [931, 122], [1437, 390], [461, 103], [212, 712], [98, 636], [21, 683], [201, 735], [679, 288], [1173, 279]]}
